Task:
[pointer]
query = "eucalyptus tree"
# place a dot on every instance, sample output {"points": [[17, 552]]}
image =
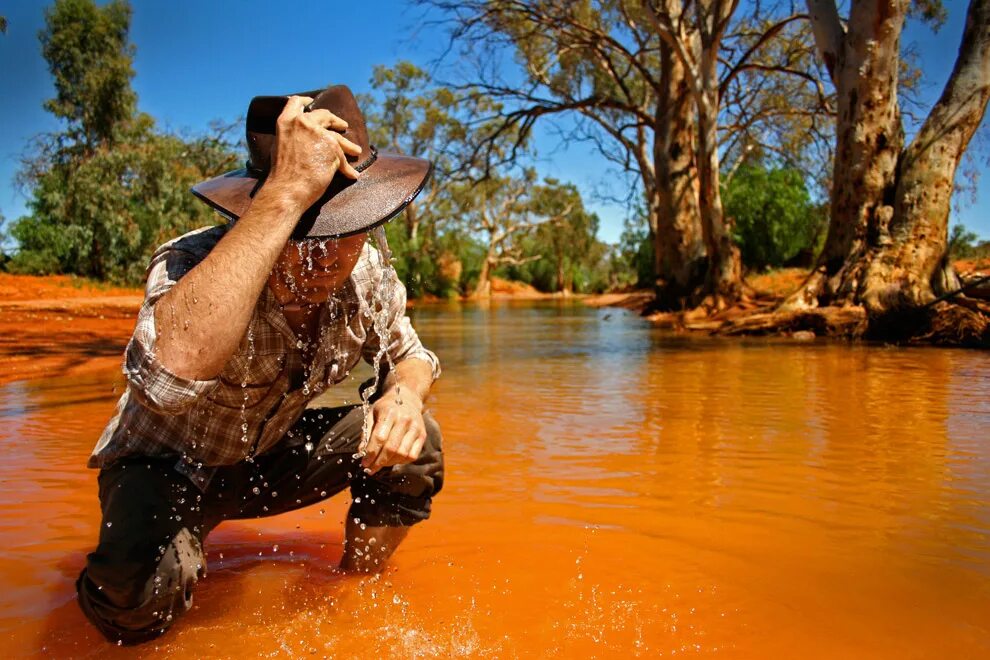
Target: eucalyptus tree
{"points": [[567, 246], [502, 209], [411, 115], [887, 242], [108, 187], [642, 83], [600, 64]]}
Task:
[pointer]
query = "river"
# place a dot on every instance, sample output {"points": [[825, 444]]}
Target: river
{"points": [[612, 490]]}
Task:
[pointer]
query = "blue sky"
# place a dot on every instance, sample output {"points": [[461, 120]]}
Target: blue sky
{"points": [[199, 61]]}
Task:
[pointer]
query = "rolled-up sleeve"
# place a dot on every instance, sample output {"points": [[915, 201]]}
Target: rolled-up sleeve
{"points": [[403, 342], [155, 386]]}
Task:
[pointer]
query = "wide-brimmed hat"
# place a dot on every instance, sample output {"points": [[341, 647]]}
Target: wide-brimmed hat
{"points": [[388, 181]]}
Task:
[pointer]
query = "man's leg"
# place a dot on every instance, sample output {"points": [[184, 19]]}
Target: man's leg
{"points": [[149, 557], [366, 549], [384, 505]]}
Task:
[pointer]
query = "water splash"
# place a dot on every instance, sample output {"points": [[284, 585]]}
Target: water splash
{"points": [[381, 294]]}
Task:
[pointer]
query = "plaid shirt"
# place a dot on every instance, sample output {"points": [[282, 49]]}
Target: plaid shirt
{"points": [[264, 387]]}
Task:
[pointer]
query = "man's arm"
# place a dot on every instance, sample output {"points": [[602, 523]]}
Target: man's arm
{"points": [[200, 321], [398, 431]]}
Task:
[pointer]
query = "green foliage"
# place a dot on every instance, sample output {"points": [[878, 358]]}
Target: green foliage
{"points": [[561, 255], [89, 57], [634, 256], [103, 215], [109, 188], [964, 244], [773, 213]]}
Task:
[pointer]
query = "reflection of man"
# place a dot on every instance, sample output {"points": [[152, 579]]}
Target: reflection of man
{"points": [[241, 327]]}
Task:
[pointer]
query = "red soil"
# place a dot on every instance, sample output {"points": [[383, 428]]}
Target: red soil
{"points": [[61, 325]]}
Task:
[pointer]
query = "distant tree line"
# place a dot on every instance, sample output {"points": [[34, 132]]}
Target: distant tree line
{"points": [[746, 136]]}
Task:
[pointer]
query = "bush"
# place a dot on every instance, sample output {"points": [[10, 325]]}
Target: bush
{"points": [[774, 216]]}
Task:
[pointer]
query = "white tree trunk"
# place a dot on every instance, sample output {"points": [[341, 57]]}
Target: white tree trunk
{"points": [[912, 252], [887, 239], [863, 62]]}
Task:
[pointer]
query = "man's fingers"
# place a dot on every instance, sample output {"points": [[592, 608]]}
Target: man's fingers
{"points": [[348, 170], [379, 436], [412, 445], [348, 147], [389, 454], [327, 119], [294, 106]]}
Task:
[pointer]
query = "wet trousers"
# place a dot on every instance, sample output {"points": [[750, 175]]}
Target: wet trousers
{"points": [[150, 555]]}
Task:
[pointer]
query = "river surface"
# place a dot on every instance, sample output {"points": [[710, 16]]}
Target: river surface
{"points": [[611, 491]]}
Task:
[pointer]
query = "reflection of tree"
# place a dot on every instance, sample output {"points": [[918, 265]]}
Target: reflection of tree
{"points": [[799, 445]]}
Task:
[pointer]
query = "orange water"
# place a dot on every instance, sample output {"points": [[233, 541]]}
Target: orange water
{"points": [[612, 491]]}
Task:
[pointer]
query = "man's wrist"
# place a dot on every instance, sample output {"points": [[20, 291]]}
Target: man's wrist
{"points": [[405, 395], [284, 196]]}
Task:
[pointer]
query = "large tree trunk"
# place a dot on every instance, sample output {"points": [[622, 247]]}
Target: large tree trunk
{"points": [[912, 252], [675, 219], [863, 63], [890, 206], [724, 280]]}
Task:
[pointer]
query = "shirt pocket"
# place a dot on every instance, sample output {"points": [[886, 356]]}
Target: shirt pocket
{"points": [[247, 379]]}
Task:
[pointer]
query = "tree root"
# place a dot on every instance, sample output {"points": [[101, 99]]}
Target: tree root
{"points": [[963, 323]]}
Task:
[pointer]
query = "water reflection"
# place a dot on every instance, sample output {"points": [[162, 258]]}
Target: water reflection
{"points": [[612, 491]]}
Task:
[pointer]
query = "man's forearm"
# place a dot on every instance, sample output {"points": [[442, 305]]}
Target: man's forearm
{"points": [[410, 375], [200, 321]]}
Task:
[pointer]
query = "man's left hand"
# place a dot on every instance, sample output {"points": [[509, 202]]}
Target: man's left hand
{"points": [[398, 432]]}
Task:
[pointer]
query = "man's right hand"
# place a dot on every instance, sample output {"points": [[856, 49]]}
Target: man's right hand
{"points": [[306, 154]]}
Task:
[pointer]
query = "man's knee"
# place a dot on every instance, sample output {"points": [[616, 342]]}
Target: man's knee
{"points": [[132, 597]]}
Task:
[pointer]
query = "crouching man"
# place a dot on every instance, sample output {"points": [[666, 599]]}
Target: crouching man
{"points": [[242, 326]]}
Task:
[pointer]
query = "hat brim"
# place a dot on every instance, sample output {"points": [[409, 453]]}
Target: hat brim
{"points": [[347, 207]]}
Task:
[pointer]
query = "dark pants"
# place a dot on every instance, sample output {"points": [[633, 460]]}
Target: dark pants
{"points": [[150, 553]]}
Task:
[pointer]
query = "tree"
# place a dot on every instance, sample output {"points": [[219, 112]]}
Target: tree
{"points": [[964, 244], [90, 59], [773, 214], [641, 82], [108, 188], [887, 240], [694, 38], [503, 209], [564, 256], [411, 115]]}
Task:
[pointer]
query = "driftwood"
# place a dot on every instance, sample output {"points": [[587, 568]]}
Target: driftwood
{"points": [[848, 322]]}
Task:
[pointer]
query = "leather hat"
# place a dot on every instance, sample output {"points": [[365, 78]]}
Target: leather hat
{"points": [[388, 181]]}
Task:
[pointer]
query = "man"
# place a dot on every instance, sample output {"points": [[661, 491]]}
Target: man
{"points": [[241, 327]]}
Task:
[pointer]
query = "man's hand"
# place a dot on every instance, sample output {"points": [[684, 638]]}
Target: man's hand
{"points": [[306, 154], [397, 431]]}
